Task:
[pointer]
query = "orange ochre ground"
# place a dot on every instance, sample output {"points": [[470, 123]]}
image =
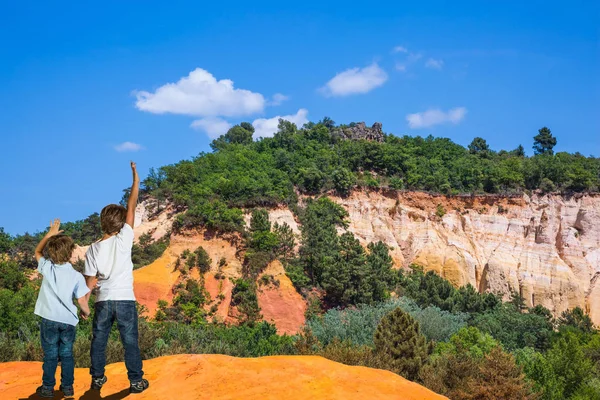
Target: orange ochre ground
{"points": [[217, 377]]}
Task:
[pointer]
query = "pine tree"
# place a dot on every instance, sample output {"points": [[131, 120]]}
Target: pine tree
{"points": [[260, 221], [544, 142], [399, 344], [381, 276], [344, 275]]}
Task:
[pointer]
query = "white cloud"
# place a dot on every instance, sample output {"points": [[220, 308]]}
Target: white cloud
{"points": [[200, 94], [435, 117], [435, 64], [355, 81], [408, 61], [399, 49], [400, 67], [264, 127], [128, 146], [277, 99], [213, 126]]}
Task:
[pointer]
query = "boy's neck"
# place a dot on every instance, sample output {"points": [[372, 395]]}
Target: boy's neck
{"points": [[108, 235]]}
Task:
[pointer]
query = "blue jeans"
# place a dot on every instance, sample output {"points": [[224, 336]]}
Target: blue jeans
{"points": [[57, 343], [125, 313]]}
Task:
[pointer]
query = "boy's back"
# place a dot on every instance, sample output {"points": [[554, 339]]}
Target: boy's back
{"points": [[110, 261], [60, 283]]}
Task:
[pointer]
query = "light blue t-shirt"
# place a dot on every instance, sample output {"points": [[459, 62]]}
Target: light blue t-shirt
{"points": [[60, 284]]}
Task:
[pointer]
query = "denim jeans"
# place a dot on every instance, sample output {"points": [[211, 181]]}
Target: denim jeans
{"points": [[57, 343], [125, 313]]}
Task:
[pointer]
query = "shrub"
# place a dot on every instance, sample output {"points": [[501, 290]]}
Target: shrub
{"points": [[203, 260], [244, 298], [440, 211], [358, 324]]}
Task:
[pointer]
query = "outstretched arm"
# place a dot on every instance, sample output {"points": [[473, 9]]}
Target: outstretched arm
{"points": [[133, 196], [54, 230], [85, 307]]}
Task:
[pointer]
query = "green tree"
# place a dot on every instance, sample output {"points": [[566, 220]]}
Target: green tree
{"points": [[380, 274], [343, 180], [203, 260], [327, 122], [319, 235], [286, 239], [244, 298], [576, 318], [515, 330], [6, 242], [479, 146], [247, 126], [11, 275], [259, 221], [344, 275], [239, 134], [569, 363], [544, 142], [400, 345], [519, 151]]}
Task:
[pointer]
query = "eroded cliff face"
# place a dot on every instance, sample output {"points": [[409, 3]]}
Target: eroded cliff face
{"points": [[545, 247]]}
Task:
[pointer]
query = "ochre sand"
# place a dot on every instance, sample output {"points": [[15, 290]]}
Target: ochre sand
{"points": [[219, 377]]}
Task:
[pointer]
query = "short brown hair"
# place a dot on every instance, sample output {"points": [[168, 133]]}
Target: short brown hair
{"points": [[60, 249], [112, 218]]}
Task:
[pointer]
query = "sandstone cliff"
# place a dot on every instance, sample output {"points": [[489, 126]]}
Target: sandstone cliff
{"points": [[223, 377], [545, 247]]}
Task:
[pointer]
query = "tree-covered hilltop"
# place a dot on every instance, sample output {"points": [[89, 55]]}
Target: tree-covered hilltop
{"points": [[318, 158]]}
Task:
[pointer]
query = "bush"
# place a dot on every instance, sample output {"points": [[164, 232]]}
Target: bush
{"points": [[358, 324], [214, 215], [461, 375], [244, 298], [12, 276], [515, 330], [343, 180], [203, 260]]}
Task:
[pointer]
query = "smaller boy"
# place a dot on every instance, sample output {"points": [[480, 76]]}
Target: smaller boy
{"points": [[55, 305]]}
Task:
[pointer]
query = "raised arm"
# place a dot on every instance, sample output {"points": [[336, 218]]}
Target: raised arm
{"points": [[133, 196], [54, 230]]}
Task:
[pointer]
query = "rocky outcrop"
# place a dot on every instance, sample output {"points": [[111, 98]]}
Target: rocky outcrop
{"points": [[360, 131], [202, 376]]}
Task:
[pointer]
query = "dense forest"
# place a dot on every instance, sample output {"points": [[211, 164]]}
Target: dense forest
{"points": [[456, 341]]}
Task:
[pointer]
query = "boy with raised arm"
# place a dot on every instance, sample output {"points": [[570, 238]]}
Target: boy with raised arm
{"points": [[60, 283], [108, 266]]}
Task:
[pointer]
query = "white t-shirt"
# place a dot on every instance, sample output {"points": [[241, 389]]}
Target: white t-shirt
{"points": [[110, 261]]}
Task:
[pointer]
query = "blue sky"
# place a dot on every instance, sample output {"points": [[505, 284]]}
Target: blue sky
{"points": [[82, 81]]}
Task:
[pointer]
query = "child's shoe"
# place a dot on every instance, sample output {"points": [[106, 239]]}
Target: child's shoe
{"points": [[67, 391], [139, 387], [45, 391], [97, 383]]}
